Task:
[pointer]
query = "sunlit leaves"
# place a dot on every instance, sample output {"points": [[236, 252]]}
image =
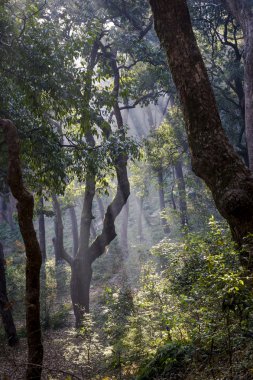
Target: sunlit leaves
{"points": [[162, 146]]}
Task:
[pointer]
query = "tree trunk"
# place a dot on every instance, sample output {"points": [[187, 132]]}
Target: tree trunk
{"points": [[60, 253], [42, 231], [58, 228], [213, 158], [5, 305], [81, 270], [43, 277], [181, 193], [74, 225], [242, 10], [81, 275], [25, 208], [165, 225], [173, 202]]}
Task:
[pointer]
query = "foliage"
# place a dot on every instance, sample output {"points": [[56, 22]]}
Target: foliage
{"points": [[185, 309], [213, 311], [170, 362], [162, 147]]}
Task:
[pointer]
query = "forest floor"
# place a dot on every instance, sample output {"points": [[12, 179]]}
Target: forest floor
{"points": [[67, 354]]}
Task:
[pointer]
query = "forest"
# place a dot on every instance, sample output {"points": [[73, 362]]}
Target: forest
{"points": [[126, 189]]}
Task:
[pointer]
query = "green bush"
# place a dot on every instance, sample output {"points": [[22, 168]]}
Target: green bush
{"points": [[170, 361]]}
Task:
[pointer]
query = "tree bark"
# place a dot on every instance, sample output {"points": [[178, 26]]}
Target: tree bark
{"points": [[81, 271], [60, 253], [5, 305], [81, 275], [74, 225], [25, 208], [42, 231], [242, 10], [213, 158], [58, 228], [181, 193]]}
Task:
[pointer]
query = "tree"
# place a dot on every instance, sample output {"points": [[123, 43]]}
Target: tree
{"points": [[242, 10], [25, 207], [61, 118], [213, 158], [42, 230], [81, 266], [220, 41], [164, 149]]}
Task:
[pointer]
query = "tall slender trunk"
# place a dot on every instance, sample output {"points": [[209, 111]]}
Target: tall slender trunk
{"points": [[58, 228], [74, 226], [81, 275], [58, 243], [43, 277], [173, 200], [81, 271], [181, 193], [213, 158], [5, 305], [42, 231], [165, 225], [25, 207]]}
